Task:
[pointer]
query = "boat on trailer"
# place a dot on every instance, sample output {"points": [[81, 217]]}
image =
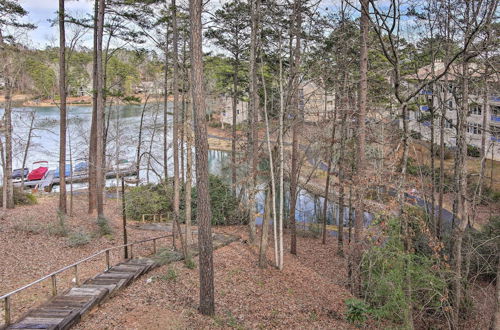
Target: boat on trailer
{"points": [[40, 172]]}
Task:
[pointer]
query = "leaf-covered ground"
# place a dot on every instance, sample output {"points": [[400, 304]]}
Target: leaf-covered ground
{"points": [[308, 293]]}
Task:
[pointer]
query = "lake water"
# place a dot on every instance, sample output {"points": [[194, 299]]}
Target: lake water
{"points": [[123, 136]]}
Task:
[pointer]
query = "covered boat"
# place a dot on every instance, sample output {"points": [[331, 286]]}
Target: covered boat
{"points": [[40, 172], [20, 173], [67, 171], [81, 167]]}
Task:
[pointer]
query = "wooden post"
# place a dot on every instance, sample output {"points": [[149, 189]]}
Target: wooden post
{"points": [[107, 260], [131, 251], [124, 218], [54, 285], [77, 280], [7, 310], [154, 246]]}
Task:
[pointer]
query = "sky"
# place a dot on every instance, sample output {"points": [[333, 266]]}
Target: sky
{"points": [[39, 11]]}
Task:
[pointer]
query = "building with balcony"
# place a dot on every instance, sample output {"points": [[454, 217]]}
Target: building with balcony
{"points": [[444, 97]]}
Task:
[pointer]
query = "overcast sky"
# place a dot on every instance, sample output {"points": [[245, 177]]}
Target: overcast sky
{"points": [[39, 11]]}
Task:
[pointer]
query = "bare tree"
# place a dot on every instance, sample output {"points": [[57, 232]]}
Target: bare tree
{"points": [[62, 109], [203, 212]]}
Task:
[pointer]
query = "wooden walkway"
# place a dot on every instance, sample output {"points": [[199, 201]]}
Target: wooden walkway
{"points": [[64, 311]]}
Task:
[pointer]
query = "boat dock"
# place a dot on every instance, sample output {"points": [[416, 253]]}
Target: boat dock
{"points": [[49, 181]]}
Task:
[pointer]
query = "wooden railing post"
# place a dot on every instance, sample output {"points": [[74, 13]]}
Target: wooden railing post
{"points": [[131, 251], [7, 310], [77, 279], [54, 285], [154, 246], [107, 260]]}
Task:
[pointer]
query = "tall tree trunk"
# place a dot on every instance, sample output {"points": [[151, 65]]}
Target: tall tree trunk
{"points": [[203, 212], [271, 166], [282, 162], [329, 170], [189, 172], [100, 113], [253, 115], [461, 196], [62, 118], [294, 175], [139, 142], [7, 175], [28, 144], [496, 316], [175, 135], [93, 125], [265, 231], [165, 112], [361, 134], [233, 129]]}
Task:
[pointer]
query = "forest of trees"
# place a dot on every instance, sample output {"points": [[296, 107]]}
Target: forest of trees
{"points": [[382, 61]]}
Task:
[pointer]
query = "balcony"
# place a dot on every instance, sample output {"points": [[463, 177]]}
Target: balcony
{"points": [[495, 98], [495, 118], [495, 139], [424, 108], [426, 123], [425, 92]]}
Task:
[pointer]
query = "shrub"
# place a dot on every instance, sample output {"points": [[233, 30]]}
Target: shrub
{"points": [[59, 228], [416, 135], [473, 151], [485, 245], [148, 199], [357, 311], [20, 197], [78, 238], [104, 227], [29, 225], [224, 206], [386, 269]]}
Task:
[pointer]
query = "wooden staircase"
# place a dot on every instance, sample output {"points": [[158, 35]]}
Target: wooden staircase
{"points": [[65, 310]]}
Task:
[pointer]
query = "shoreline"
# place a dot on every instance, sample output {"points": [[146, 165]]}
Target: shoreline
{"points": [[25, 100]]}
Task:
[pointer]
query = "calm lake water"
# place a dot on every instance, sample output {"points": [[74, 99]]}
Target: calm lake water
{"points": [[123, 137]]}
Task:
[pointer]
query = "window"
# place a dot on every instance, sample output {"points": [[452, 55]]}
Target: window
{"points": [[495, 110], [448, 123], [450, 88], [475, 109], [450, 105], [474, 128], [495, 131]]}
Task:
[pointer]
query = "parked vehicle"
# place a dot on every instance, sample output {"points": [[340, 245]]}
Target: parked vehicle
{"points": [[19, 173]]}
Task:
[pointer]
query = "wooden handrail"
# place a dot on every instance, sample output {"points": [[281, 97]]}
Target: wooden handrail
{"points": [[6, 297]]}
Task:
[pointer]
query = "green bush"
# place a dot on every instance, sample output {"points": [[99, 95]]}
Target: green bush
{"points": [[473, 151], [78, 238], [104, 227], [148, 199], [20, 197], [357, 311], [59, 228], [157, 199], [224, 206], [386, 269]]}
